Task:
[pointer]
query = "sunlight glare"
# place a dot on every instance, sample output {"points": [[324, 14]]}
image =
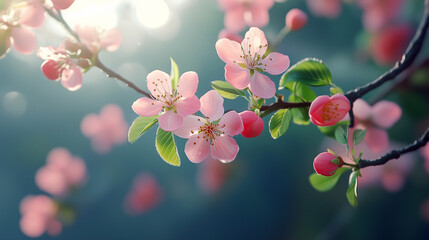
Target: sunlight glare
{"points": [[152, 14]]}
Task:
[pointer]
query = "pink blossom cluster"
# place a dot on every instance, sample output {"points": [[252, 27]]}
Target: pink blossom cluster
{"points": [[144, 195], [105, 130]]}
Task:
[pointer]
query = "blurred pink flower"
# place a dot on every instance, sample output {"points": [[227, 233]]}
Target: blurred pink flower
{"points": [[145, 194], [296, 19], [242, 13], [424, 210], [39, 215], [378, 13], [62, 4], [211, 176], [375, 120], [229, 35], [105, 130], [15, 23], [58, 65], [327, 111], [175, 104], [62, 173], [425, 153], [245, 61], [209, 138], [325, 8], [97, 39]]}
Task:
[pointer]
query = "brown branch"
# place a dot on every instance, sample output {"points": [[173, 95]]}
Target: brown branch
{"points": [[282, 105]]}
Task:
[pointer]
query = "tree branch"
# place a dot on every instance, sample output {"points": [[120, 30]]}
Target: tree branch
{"points": [[281, 105], [396, 153]]}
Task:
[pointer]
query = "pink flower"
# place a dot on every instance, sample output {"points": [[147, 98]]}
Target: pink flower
{"points": [[61, 173], [425, 153], [210, 138], [144, 195], [175, 104], [325, 8], [242, 13], [253, 125], [59, 64], [211, 176], [15, 23], [323, 164], [375, 120], [106, 129], [327, 111], [378, 13], [245, 61], [229, 35], [62, 4], [97, 39], [388, 45], [296, 19], [39, 215]]}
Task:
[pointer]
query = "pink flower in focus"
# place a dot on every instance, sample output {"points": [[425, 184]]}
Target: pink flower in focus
{"points": [[245, 61], [39, 215], [144, 195], [62, 173], [378, 13], [242, 13], [388, 45], [327, 111], [229, 35], [59, 64], [175, 104], [211, 176], [296, 19], [323, 164], [210, 138], [253, 125], [375, 120], [325, 8], [15, 23], [106, 129], [97, 39]]}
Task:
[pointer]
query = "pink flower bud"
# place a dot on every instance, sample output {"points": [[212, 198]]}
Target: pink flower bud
{"points": [[253, 124], [327, 111], [51, 69], [323, 164], [296, 19]]}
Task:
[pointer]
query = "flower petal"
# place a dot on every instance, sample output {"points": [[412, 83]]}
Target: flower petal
{"points": [[212, 105], [254, 42], [33, 15], [71, 79], [262, 86], [191, 125], [386, 113], [188, 106], [232, 123], [234, 19], [188, 84], [237, 76], [170, 121], [376, 139], [224, 148], [276, 63], [91, 125], [24, 40], [111, 40], [228, 50], [147, 107], [197, 148], [257, 17], [159, 83], [361, 110], [62, 4]]}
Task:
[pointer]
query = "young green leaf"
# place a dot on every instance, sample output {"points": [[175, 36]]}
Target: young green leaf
{"points": [[330, 130], [300, 115], [226, 90], [352, 190], [309, 71], [140, 126], [174, 74], [323, 183], [358, 135], [166, 147], [279, 122], [341, 134]]}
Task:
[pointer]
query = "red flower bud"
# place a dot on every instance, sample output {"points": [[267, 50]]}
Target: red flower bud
{"points": [[51, 69], [253, 124], [323, 164], [296, 19]]}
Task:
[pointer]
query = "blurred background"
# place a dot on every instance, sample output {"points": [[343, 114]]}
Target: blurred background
{"points": [[263, 194]]}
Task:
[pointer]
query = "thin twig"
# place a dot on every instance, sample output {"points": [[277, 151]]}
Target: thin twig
{"points": [[281, 105]]}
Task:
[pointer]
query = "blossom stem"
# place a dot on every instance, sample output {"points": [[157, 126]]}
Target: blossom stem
{"points": [[280, 105], [282, 34]]}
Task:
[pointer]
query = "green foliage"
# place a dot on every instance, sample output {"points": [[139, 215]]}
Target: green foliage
{"points": [[226, 90], [341, 134], [309, 71], [174, 74], [330, 130], [279, 122], [166, 147], [4, 42], [140, 126], [322, 183], [352, 190], [358, 136]]}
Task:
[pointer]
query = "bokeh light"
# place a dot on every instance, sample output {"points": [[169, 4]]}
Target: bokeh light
{"points": [[14, 103], [152, 14]]}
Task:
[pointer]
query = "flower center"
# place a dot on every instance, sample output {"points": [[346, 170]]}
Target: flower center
{"points": [[253, 60], [168, 99], [330, 111], [210, 131]]}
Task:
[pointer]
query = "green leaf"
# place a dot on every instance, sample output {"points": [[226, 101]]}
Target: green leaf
{"points": [[4, 42], [330, 130], [309, 71], [174, 74], [358, 135], [341, 134], [303, 92], [279, 122], [226, 90], [322, 183], [300, 115], [352, 190], [140, 126], [166, 147]]}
